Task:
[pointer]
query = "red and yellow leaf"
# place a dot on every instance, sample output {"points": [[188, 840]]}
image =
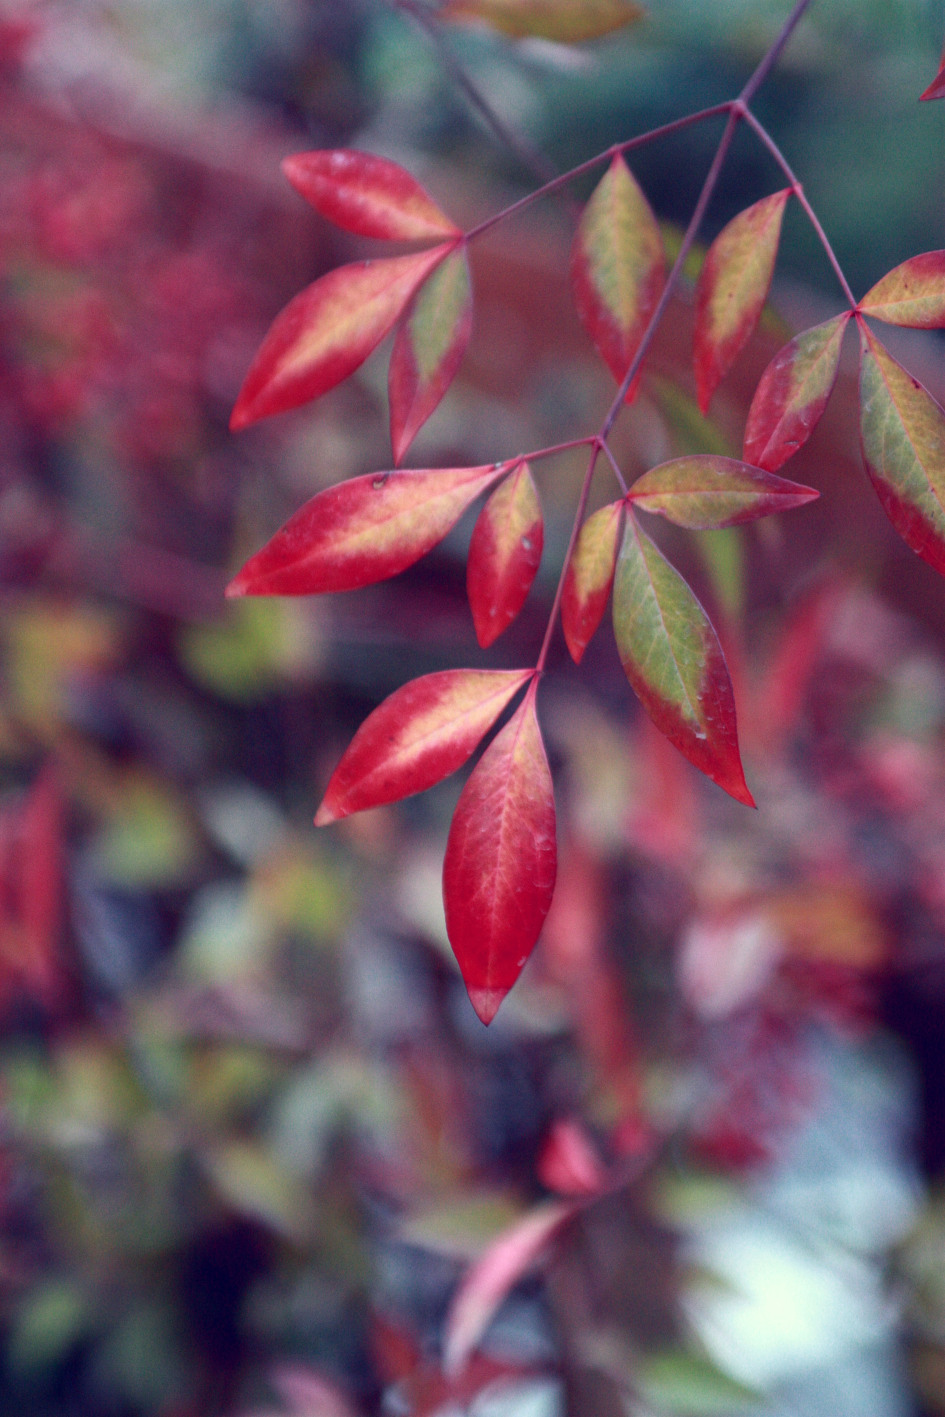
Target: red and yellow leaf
{"points": [[913, 294], [902, 429], [704, 492], [416, 737], [363, 530], [617, 267], [504, 554], [936, 88], [328, 331], [566, 21], [500, 863], [732, 289], [428, 349], [792, 394], [673, 659], [589, 576], [510, 1256], [368, 195]]}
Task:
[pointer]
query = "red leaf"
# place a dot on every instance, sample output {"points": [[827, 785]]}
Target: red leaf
{"points": [[902, 430], [673, 659], [936, 88], [368, 195], [569, 1163], [589, 577], [504, 1263], [704, 492], [732, 289], [504, 554], [363, 530], [792, 394], [328, 331], [501, 857], [617, 266], [418, 736], [913, 294], [428, 349], [40, 889]]}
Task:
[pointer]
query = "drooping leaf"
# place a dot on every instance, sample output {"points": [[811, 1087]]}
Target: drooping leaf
{"points": [[428, 349], [504, 1263], [673, 659], [912, 294], [903, 435], [617, 267], [704, 492], [363, 530], [732, 289], [504, 554], [936, 88], [368, 195], [416, 737], [328, 331], [566, 21], [500, 862], [792, 394], [589, 577]]}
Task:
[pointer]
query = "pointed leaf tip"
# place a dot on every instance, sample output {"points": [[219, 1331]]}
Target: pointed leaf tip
{"points": [[912, 294], [416, 737], [363, 530], [732, 289], [428, 349], [500, 862], [504, 554], [936, 88], [327, 332], [617, 267], [672, 657], [368, 195]]}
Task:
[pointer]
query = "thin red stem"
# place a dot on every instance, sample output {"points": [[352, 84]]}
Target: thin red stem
{"points": [[765, 137], [554, 448], [605, 446], [606, 156]]}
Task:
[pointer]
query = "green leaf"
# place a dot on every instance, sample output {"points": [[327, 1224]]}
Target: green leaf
{"points": [[672, 658], [689, 1386], [706, 492], [566, 21]]}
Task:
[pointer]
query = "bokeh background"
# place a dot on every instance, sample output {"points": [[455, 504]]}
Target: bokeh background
{"points": [[251, 1133]]}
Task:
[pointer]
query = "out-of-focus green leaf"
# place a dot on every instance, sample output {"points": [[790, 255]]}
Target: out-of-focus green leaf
{"points": [[149, 840], [463, 1226], [255, 1183], [52, 1317], [690, 1386], [260, 645]]}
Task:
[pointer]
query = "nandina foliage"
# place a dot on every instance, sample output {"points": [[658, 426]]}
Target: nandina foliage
{"points": [[500, 864]]}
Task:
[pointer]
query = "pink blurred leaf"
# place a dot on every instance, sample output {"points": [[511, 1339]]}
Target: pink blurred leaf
{"points": [[368, 195], [501, 859], [363, 530]]}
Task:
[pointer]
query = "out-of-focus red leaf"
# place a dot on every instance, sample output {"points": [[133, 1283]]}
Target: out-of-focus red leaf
{"points": [[363, 530], [617, 267], [732, 289], [936, 88], [328, 331], [565, 21], [792, 394], [41, 887], [672, 658], [368, 195], [431, 1392], [309, 1393], [418, 736], [394, 1349], [589, 576], [787, 679], [902, 430], [705, 491], [504, 554], [428, 349], [507, 1259], [501, 859], [912, 294], [569, 1162]]}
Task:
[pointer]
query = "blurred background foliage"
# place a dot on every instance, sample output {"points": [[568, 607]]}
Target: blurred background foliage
{"points": [[251, 1133]]}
